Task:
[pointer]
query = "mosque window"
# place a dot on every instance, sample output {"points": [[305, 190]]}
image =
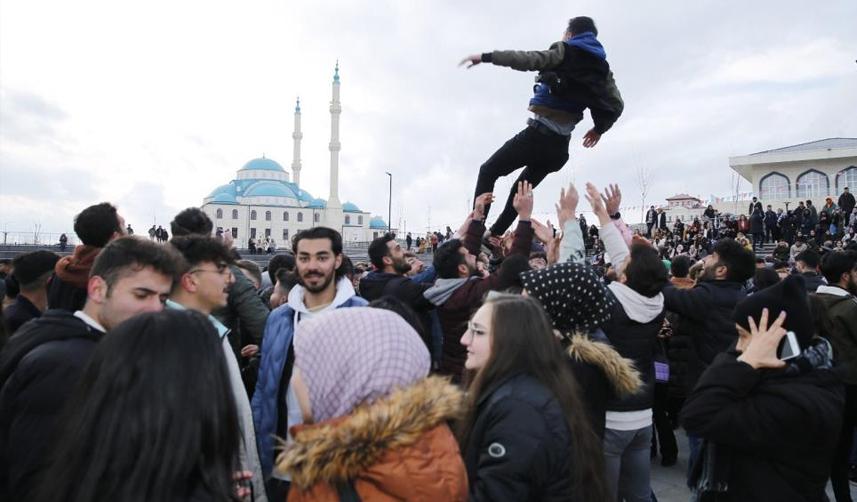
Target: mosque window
{"points": [[219, 214], [813, 184], [234, 214], [253, 214], [847, 178], [285, 234], [285, 216], [359, 220], [316, 217], [774, 186], [300, 216], [234, 232], [267, 215], [347, 219]]}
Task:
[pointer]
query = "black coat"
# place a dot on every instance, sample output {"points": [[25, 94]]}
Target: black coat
{"points": [[706, 311], [378, 284], [39, 368], [846, 202], [778, 432], [757, 223], [64, 296], [518, 449]]}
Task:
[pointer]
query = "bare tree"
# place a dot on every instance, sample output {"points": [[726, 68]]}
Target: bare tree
{"points": [[644, 183]]}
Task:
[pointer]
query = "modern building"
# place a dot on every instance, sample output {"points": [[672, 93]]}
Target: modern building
{"points": [[263, 202]]}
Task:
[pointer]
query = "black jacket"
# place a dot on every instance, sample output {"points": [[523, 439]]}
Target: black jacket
{"points": [[19, 312], [846, 202], [706, 311], [378, 284], [757, 223], [64, 296], [812, 281], [518, 448], [39, 368], [778, 432]]}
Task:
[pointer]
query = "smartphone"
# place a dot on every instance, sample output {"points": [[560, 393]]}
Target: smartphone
{"points": [[788, 348]]}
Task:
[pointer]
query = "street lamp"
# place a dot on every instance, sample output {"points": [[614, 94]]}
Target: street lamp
{"points": [[389, 203]]}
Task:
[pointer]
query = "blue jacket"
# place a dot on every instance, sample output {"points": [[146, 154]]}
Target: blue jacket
{"points": [[279, 332], [542, 96]]}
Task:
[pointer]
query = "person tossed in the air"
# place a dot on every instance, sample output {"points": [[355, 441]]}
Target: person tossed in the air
{"points": [[573, 76]]}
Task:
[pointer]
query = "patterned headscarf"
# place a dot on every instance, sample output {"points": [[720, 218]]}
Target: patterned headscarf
{"points": [[350, 356], [572, 294]]}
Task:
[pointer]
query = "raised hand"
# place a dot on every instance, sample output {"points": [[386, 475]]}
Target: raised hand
{"points": [[612, 199], [594, 198], [523, 201], [480, 203], [591, 137], [473, 60], [567, 205], [764, 340], [544, 233]]}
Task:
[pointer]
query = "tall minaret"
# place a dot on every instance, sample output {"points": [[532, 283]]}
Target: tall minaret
{"points": [[335, 111], [297, 136]]}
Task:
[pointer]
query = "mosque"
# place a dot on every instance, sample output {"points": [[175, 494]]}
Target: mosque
{"points": [[263, 202]]}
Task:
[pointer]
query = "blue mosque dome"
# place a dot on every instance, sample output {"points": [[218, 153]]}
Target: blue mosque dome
{"points": [[317, 204], [262, 164], [377, 223], [269, 189], [350, 207]]}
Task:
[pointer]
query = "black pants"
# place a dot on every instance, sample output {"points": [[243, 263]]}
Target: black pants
{"points": [[663, 417], [541, 151], [839, 469]]}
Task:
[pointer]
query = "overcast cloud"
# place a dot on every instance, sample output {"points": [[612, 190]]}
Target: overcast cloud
{"points": [[152, 105]]}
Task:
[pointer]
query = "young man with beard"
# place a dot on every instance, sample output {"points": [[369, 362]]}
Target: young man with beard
{"points": [[204, 287], [834, 309], [706, 310], [95, 226], [41, 364], [389, 277], [319, 258]]}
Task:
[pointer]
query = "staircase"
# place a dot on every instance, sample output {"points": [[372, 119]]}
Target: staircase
{"points": [[765, 250]]}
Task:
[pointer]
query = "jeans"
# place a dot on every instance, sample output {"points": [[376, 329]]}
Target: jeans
{"points": [[542, 153], [694, 444], [627, 463]]}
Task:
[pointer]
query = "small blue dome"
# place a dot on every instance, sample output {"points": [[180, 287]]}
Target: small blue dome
{"points": [[262, 164], [269, 189], [377, 223], [224, 198], [303, 195], [227, 189], [350, 207], [317, 204]]}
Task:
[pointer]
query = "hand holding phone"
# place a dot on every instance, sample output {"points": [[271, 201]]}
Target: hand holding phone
{"points": [[764, 342]]}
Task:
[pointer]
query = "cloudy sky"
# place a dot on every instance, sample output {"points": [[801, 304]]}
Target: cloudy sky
{"points": [[152, 104]]}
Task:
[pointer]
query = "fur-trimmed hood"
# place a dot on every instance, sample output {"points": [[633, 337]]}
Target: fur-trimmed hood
{"points": [[340, 449], [623, 376]]}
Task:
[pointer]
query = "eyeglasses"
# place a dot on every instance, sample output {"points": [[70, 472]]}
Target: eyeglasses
{"points": [[474, 329], [221, 268]]}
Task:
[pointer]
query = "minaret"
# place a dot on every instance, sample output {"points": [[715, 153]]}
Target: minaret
{"points": [[335, 111], [297, 136]]}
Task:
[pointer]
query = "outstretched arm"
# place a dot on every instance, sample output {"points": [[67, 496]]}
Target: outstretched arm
{"points": [[520, 60]]}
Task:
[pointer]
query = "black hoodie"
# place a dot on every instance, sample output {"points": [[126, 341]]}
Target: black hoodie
{"points": [[39, 367]]}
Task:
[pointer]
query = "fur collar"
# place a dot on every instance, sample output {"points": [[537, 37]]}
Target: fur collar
{"points": [[339, 449], [624, 378]]}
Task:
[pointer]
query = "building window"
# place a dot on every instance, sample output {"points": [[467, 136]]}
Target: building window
{"points": [[774, 186], [267, 232], [846, 178], [252, 233], [285, 216], [219, 214], [300, 217], [360, 220], [267, 215], [253, 214], [234, 232], [813, 184], [285, 234], [316, 217], [347, 220], [234, 214]]}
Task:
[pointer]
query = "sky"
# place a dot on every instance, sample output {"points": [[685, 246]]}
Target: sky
{"points": [[151, 105]]}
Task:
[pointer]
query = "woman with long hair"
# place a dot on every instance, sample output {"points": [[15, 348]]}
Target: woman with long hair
{"points": [[526, 434], [152, 418]]}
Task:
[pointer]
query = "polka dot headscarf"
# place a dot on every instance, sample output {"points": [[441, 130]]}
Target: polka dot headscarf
{"points": [[572, 294]]}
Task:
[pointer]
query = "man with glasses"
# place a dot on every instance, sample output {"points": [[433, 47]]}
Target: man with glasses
{"points": [[204, 287]]}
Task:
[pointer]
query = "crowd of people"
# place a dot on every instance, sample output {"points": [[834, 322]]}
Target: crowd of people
{"points": [[510, 368]]}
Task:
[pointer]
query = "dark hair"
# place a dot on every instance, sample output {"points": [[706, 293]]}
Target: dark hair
{"points": [[740, 263], [378, 250], [96, 224], [282, 260], [522, 341], [582, 24], [135, 428], [191, 221], [132, 254], [252, 267], [837, 263], [319, 233], [765, 277], [810, 257], [645, 272], [393, 304], [287, 280], [681, 266], [30, 269], [345, 268], [198, 249], [447, 258]]}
